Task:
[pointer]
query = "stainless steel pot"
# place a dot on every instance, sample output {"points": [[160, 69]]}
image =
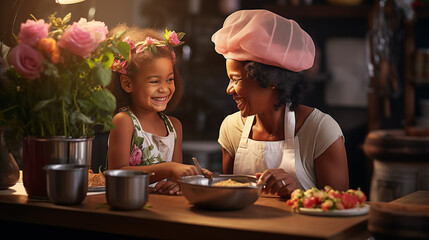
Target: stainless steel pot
{"points": [[127, 189], [38, 152], [67, 184]]}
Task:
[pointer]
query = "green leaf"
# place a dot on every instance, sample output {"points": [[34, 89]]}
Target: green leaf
{"points": [[139, 141], [101, 74], [108, 124], [85, 119], [50, 69], [104, 99], [180, 35], [159, 158], [91, 63], [145, 153], [85, 104], [124, 50], [153, 49], [119, 34], [42, 104], [107, 60]]}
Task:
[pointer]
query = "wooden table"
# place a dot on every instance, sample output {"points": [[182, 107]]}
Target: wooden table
{"points": [[172, 217], [404, 218], [418, 198]]}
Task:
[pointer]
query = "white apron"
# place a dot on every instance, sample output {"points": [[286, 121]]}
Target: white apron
{"points": [[257, 156]]}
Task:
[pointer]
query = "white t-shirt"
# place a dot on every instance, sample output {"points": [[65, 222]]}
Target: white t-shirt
{"points": [[317, 133]]}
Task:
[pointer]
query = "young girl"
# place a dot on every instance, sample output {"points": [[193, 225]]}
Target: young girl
{"points": [[145, 138]]}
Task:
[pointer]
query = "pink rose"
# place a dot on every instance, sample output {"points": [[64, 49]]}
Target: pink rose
{"points": [[83, 37], [149, 41], [32, 31], [173, 39], [135, 158], [78, 41], [27, 61], [97, 28]]}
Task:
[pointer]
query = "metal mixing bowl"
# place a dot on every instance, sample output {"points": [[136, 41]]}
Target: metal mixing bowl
{"points": [[66, 184], [197, 190], [127, 189]]}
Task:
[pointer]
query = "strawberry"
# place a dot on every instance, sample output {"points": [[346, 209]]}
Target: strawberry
{"points": [[310, 202], [360, 195], [349, 200], [333, 194]]}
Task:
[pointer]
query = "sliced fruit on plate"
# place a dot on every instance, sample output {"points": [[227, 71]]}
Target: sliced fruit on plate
{"points": [[326, 199]]}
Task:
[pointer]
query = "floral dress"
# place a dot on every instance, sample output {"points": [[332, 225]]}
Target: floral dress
{"points": [[147, 148]]}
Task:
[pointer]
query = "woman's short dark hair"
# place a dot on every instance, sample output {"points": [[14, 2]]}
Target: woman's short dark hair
{"points": [[289, 85]]}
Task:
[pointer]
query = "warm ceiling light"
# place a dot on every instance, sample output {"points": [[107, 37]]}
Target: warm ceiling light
{"points": [[68, 1]]}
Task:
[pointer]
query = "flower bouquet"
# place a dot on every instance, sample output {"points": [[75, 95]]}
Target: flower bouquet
{"points": [[55, 86]]}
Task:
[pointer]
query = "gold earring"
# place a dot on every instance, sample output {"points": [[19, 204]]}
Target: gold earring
{"points": [[273, 87]]}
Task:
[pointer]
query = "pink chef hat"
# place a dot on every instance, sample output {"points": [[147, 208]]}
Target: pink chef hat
{"points": [[264, 37]]}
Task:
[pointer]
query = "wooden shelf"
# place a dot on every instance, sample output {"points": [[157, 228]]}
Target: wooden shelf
{"points": [[321, 11]]}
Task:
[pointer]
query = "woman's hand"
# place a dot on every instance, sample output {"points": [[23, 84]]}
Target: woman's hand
{"points": [[167, 187], [178, 170], [277, 181]]}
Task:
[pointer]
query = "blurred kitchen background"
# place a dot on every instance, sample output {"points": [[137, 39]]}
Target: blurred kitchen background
{"points": [[371, 74]]}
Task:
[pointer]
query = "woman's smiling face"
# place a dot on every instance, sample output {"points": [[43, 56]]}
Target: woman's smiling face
{"points": [[154, 85], [250, 97]]}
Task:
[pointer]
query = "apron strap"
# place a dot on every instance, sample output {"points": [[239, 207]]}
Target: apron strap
{"points": [[246, 131], [297, 170], [289, 123]]}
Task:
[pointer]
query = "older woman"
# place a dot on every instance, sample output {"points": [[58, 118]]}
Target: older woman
{"points": [[286, 144]]}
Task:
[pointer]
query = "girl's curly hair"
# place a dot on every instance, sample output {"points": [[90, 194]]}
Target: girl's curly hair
{"points": [[136, 34]]}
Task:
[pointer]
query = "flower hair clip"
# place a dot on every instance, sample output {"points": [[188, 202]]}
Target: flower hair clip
{"points": [[171, 39]]}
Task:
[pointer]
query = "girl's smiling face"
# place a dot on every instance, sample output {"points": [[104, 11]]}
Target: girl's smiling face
{"points": [[153, 86], [250, 97]]}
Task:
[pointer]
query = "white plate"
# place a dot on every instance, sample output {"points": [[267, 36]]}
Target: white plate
{"points": [[338, 213]]}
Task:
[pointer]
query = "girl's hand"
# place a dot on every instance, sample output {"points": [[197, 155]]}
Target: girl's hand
{"points": [[277, 181], [167, 187], [178, 170]]}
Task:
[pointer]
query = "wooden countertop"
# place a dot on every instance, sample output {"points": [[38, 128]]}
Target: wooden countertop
{"points": [[415, 198], [172, 217]]}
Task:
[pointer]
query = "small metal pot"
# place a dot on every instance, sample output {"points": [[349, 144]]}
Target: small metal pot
{"points": [[127, 189], [67, 184]]}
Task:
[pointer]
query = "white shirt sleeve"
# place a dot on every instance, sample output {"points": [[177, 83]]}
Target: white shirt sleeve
{"points": [[230, 133]]}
